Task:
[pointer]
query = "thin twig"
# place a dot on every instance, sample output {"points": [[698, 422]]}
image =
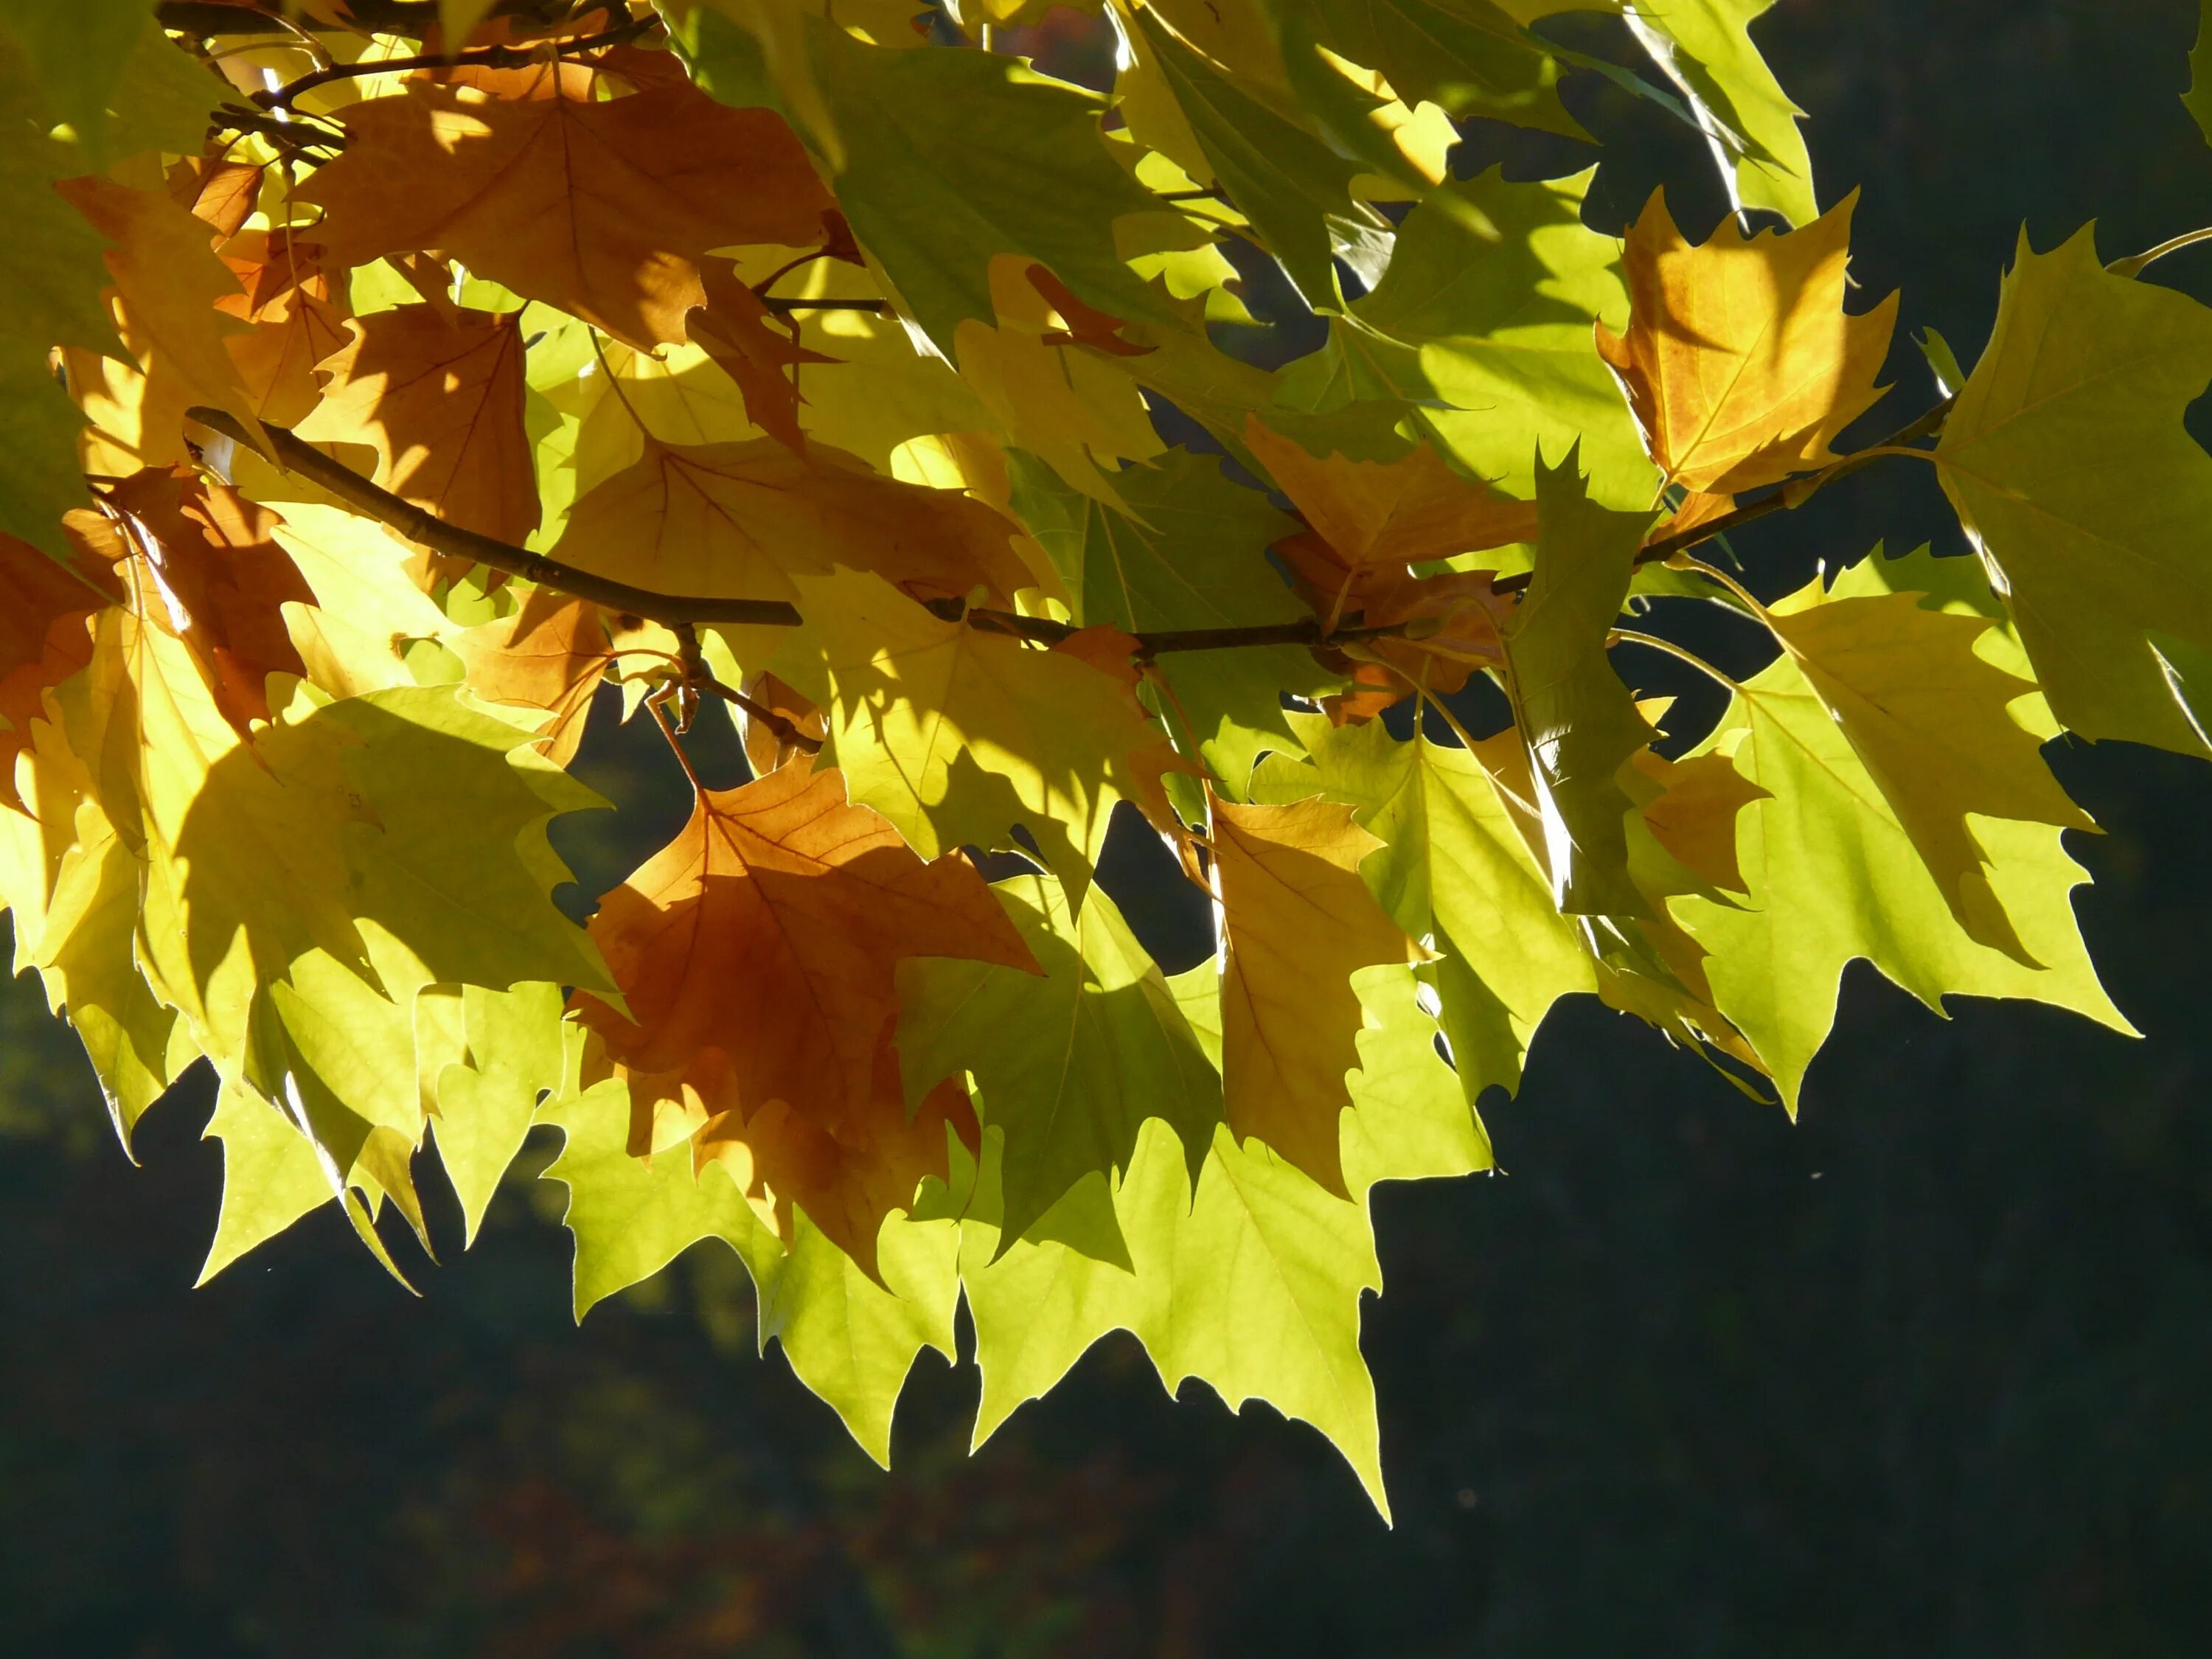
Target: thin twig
{"points": [[785, 307], [786, 731]]}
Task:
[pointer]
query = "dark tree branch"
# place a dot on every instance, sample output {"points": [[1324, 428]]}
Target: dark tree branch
{"points": [[487, 56], [296, 455], [1795, 493]]}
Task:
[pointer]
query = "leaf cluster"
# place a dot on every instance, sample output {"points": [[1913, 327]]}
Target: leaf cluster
{"points": [[395, 389]]}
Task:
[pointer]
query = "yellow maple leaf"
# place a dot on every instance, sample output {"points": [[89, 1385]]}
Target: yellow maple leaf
{"points": [[1740, 360]]}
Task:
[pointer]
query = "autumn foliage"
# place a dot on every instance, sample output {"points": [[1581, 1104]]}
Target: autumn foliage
{"points": [[397, 388]]}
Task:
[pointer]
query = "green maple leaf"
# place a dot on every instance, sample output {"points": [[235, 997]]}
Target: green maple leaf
{"points": [[1577, 721], [1294, 188], [1467, 57], [1930, 720], [1705, 46], [1455, 872], [1070, 1065], [1834, 876], [943, 160], [850, 1339], [51, 273], [272, 1175], [1483, 323], [513, 1055], [956, 734], [2067, 460], [1190, 552], [1251, 1281]]}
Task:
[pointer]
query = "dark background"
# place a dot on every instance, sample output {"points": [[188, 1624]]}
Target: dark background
{"points": [[1924, 1374]]}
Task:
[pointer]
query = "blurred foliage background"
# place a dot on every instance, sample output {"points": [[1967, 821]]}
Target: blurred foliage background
{"points": [[1926, 1373]]}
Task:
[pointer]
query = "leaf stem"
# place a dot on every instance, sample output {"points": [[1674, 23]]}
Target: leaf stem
{"points": [[1630, 636], [2135, 264]]}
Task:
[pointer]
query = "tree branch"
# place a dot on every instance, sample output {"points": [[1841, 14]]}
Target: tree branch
{"points": [[1795, 493], [296, 455], [521, 57]]}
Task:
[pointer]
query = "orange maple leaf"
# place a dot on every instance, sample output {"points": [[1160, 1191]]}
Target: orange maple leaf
{"points": [[168, 283], [551, 654], [437, 392], [1300, 922], [299, 318], [224, 193], [757, 954], [1740, 362], [601, 207], [732, 520], [734, 329], [1413, 510]]}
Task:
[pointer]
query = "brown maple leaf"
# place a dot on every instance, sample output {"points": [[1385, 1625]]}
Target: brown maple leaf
{"points": [[551, 654], [757, 954], [439, 395], [603, 208], [733, 521], [735, 328], [1299, 922], [1739, 361], [298, 315], [44, 603], [202, 561], [224, 193]]}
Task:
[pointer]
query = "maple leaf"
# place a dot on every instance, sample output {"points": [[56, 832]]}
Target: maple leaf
{"points": [[169, 283], [1298, 922], [734, 329], [2066, 461], [1251, 1277], [223, 192], [1187, 549], [437, 391], [755, 955], [1834, 874], [1070, 1065], [743, 520], [551, 654], [603, 207], [1694, 816], [850, 1338], [1413, 510], [44, 639], [1739, 361], [202, 561], [299, 318], [1577, 722], [1455, 868], [1929, 720], [956, 734]]}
